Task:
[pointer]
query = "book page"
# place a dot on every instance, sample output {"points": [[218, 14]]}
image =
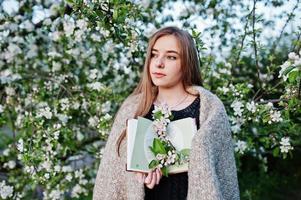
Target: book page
{"points": [[141, 134]]}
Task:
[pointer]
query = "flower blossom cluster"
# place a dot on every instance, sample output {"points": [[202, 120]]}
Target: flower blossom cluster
{"points": [[168, 159], [294, 60], [160, 124], [5, 190], [162, 115], [285, 145]]}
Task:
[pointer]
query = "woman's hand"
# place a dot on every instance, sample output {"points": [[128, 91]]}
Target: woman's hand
{"points": [[151, 179]]}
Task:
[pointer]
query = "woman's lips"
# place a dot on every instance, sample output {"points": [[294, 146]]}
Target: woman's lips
{"points": [[158, 75]]}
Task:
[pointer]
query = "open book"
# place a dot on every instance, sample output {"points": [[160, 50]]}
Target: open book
{"points": [[140, 136]]}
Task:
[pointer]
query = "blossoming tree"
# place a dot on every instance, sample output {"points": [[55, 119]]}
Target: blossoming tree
{"points": [[65, 66]]}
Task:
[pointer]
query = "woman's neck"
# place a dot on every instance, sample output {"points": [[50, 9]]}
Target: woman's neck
{"points": [[172, 95]]}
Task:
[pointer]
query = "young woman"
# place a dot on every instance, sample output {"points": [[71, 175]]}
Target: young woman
{"points": [[171, 75]]}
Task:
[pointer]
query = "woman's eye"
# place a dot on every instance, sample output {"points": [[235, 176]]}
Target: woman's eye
{"points": [[171, 57], [153, 55]]}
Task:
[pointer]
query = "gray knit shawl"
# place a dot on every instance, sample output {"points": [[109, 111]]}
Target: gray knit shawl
{"points": [[212, 171]]}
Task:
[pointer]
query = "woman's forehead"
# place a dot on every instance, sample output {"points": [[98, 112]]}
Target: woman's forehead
{"points": [[167, 43]]}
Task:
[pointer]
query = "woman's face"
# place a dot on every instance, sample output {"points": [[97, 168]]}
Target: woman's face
{"points": [[165, 62]]}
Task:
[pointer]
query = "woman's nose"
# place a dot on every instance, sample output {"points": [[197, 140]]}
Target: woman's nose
{"points": [[159, 63]]}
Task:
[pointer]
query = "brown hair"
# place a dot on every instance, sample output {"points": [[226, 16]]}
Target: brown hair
{"points": [[190, 65]]}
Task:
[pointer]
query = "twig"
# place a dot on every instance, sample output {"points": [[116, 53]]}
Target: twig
{"points": [[299, 90], [271, 100], [290, 17], [254, 42], [264, 92], [242, 41]]}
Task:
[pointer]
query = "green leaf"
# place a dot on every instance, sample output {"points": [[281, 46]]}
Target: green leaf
{"points": [[287, 70], [152, 149], [292, 77], [158, 147], [276, 152], [153, 164], [158, 115], [164, 171]]}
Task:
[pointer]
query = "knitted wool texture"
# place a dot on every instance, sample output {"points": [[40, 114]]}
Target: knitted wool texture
{"points": [[212, 171]]}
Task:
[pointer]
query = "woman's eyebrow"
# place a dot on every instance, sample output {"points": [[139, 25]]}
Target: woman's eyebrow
{"points": [[168, 51]]}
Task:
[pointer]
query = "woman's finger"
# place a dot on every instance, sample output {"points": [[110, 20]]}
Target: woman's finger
{"points": [[158, 174], [148, 179], [153, 181]]}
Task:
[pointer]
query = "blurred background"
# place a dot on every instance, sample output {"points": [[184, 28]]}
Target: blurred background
{"points": [[66, 66]]}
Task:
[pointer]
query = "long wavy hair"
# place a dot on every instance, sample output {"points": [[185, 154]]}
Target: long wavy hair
{"points": [[190, 67]]}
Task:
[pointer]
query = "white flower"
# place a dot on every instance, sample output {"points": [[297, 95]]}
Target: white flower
{"points": [[171, 156], [284, 66], [270, 105], [39, 14], [81, 24], [250, 85], [78, 35], [68, 25], [107, 116], [106, 107], [63, 118], [44, 112], [29, 169], [6, 76], [55, 36], [240, 146], [57, 168], [27, 25], [224, 89], [56, 135], [65, 104], [75, 105], [10, 6], [237, 107], [96, 37], [251, 107], [236, 128], [285, 145], [293, 56], [20, 145], [160, 156], [79, 174], [69, 177], [56, 194], [10, 164], [93, 74], [67, 168], [79, 136], [1, 108], [47, 176], [93, 121], [96, 86], [5, 190], [6, 152], [297, 62], [76, 191], [46, 165], [56, 66], [12, 50], [10, 91], [275, 116]]}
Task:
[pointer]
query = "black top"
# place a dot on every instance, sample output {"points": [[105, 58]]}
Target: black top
{"points": [[175, 186]]}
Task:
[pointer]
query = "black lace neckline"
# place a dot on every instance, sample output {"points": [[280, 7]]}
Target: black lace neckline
{"points": [[193, 104]]}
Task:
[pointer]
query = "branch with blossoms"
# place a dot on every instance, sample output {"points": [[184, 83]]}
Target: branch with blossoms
{"points": [[164, 151]]}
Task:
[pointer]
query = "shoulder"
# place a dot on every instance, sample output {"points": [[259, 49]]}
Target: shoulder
{"points": [[207, 98], [131, 101], [129, 105]]}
